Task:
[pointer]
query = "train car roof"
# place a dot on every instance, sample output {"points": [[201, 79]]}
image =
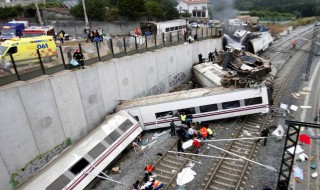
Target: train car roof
{"points": [[181, 95], [72, 154]]}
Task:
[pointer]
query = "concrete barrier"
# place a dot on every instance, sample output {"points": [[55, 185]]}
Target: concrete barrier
{"points": [[42, 113]]}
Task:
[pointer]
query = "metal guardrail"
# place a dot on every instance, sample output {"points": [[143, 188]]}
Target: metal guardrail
{"points": [[21, 70]]}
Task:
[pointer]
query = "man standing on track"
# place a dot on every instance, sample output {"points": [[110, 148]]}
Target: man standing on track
{"points": [[264, 133]]}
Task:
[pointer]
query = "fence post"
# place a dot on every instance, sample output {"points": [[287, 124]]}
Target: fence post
{"points": [[124, 45], [201, 32], [163, 41], [170, 37], [14, 66], [178, 37], [155, 41], [62, 57], [39, 57], [211, 32], [98, 50], [136, 44], [146, 38], [111, 44]]}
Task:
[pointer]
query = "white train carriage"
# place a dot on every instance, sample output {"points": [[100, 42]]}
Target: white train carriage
{"points": [[204, 104], [79, 165]]}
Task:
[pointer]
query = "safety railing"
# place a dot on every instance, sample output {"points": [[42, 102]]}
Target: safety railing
{"points": [[46, 63]]}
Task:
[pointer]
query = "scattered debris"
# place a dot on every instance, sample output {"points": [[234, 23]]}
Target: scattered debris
{"points": [[303, 157], [305, 107], [313, 165], [298, 150], [294, 107], [185, 176], [314, 175], [298, 173], [278, 132], [116, 170]]}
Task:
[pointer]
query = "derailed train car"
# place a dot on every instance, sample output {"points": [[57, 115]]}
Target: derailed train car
{"points": [[78, 166], [204, 104]]}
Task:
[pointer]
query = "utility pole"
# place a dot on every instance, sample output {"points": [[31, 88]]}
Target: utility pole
{"points": [[85, 15], [38, 12]]}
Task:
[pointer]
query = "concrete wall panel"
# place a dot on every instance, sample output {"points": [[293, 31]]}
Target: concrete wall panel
{"points": [[90, 92], [202, 49], [40, 105], [138, 68], [180, 58], [68, 100], [187, 50], [172, 60], [17, 144], [125, 79], [195, 52], [4, 177], [162, 64], [151, 69], [109, 85]]}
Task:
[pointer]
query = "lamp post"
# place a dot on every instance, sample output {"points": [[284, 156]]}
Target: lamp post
{"points": [[38, 12], [85, 15]]}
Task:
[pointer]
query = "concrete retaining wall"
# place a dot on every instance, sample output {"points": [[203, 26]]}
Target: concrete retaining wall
{"points": [[41, 114]]}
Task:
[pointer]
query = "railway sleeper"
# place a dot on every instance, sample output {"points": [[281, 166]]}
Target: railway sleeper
{"points": [[226, 178], [216, 188], [160, 171], [251, 129], [223, 185], [172, 161], [239, 151], [163, 177], [233, 164], [240, 146], [242, 143], [175, 157], [227, 173], [232, 169], [169, 166]]}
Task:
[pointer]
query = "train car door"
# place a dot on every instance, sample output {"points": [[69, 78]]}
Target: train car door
{"points": [[135, 113]]}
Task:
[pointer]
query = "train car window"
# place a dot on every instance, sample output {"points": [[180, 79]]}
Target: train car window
{"points": [[136, 118], [232, 104], [253, 101], [171, 28], [79, 166], [180, 27], [96, 151], [59, 183], [126, 125], [167, 29], [176, 28], [112, 137], [208, 108], [188, 110], [164, 115]]}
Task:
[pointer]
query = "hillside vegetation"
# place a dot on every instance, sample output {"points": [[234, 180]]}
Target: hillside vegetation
{"points": [[299, 8]]}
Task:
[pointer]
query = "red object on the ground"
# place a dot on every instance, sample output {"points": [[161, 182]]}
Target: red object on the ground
{"points": [[305, 139], [196, 143]]}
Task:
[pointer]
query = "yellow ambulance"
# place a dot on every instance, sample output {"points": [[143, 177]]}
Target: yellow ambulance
{"points": [[24, 50]]}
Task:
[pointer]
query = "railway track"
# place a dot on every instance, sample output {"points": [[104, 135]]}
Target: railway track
{"points": [[226, 175]]}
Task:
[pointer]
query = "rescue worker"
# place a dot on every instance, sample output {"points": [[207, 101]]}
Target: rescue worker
{"points": [[264, 133], [183, 118], [210, 56], [200, 58], [203, 132], [148, 172], [135, 186], [210, 132], [157, 184], [294, 43], [173, 128], [196, 144], [179, 146], [78, 56]]}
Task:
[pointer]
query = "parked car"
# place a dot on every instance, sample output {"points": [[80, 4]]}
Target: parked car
{"points": [[194, 25]]}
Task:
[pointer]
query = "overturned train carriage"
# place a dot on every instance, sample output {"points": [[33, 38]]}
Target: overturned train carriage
{"points": [[78, 166], [204, 104]]}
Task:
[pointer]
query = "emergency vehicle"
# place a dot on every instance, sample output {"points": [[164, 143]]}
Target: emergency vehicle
{"points": [[38, 31], [25, 49]]}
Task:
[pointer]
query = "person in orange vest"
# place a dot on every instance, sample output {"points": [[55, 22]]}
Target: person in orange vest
{"points": [[294, 43], [148, 172], [157, 184], [203, 132]]}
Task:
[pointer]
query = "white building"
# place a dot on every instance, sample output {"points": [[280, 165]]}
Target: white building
{"points": [[197, 8]]}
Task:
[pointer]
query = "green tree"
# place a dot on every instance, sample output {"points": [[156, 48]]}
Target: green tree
{"points": [[153, 9], [133, 9], [96, 9], [170, 10]]}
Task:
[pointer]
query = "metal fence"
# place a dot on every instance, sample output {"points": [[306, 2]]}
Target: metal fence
{"points": [[94, 52]]}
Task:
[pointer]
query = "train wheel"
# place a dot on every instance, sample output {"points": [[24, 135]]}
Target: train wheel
{"points": [[225, 82]]}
